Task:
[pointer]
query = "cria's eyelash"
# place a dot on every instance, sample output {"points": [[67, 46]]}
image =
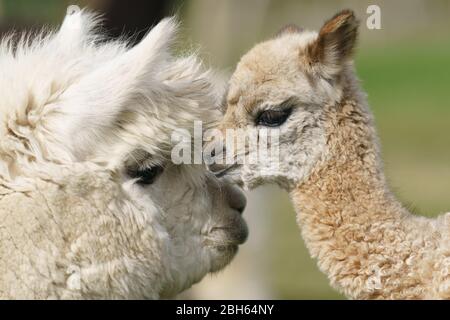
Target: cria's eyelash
{"points": [[275, 116]]}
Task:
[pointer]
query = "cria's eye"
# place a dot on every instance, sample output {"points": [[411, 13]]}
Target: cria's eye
{"points": [[273, 118], [147, 176]]}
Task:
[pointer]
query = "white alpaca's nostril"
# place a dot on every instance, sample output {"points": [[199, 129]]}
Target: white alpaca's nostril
{"points": [[236, 198]]}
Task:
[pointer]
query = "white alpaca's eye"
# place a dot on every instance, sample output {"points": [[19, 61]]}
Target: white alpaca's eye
{"points": [[273, 118], [148, 175], [142, 167]]}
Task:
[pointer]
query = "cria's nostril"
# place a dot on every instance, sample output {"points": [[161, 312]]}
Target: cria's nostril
{"points": [[221, 153]]}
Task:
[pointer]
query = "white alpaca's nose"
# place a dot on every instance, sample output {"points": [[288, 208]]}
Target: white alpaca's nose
{"points": [[235, 198]]}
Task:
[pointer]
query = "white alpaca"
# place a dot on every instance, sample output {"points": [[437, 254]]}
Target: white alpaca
{"points": [[90, 204]]}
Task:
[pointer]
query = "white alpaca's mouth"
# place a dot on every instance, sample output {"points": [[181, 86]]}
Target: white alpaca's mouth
{"points": [[229, 236], [223, 242]]}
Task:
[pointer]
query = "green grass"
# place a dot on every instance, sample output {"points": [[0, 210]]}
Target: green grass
{"points": [[36, 12], [408, 87]]}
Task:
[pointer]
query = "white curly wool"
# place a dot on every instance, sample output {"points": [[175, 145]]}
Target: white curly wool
{"points": [[77, 113]]}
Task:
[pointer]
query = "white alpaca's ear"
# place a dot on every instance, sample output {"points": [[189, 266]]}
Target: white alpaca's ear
{"points": [[335, 42], [76, 30], [92, 106]]}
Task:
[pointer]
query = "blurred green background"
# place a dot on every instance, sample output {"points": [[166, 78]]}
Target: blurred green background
{"points": [[404, 67]]}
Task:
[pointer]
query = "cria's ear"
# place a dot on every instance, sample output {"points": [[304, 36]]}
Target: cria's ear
{"points": [[94, 104], [289, 28], [335, 42]]}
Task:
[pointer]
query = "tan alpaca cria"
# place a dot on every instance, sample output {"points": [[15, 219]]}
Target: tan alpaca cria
{"points": [[367, 243]]}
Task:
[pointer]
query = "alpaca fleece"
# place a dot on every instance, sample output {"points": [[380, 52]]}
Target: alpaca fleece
{"points": [[51, 248]]}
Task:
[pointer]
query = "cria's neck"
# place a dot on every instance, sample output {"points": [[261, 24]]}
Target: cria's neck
{"points": [[368, 244]]}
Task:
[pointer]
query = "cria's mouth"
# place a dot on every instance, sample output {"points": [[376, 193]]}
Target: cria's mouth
{"points": [[220, 170], [231, 172]]}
